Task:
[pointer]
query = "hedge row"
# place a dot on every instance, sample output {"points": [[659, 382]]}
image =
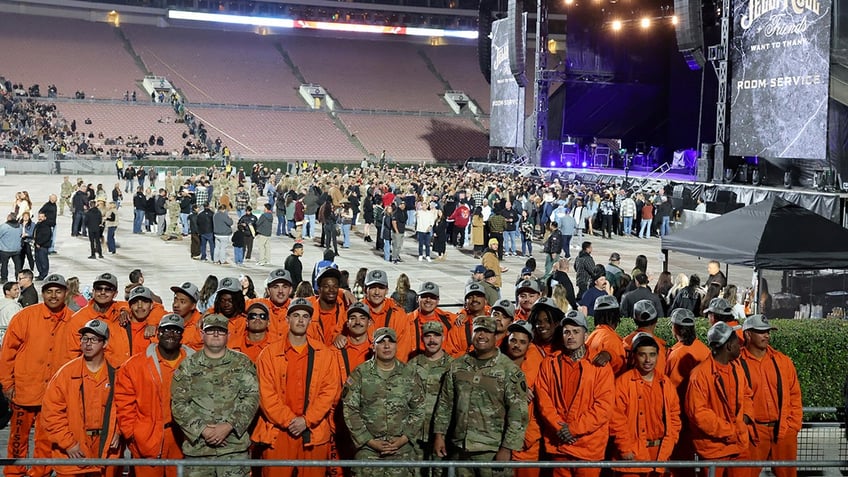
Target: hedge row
{"points": [[819, 349]]}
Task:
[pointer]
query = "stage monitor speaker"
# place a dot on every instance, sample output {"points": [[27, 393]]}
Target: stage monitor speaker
{"points": [[718, 162], [731, 206], [705, 163], [725, 196], [690, 26], [716, 207], [517, 46]]}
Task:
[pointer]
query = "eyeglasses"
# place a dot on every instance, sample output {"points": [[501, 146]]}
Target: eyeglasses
{"points": [[91, 339], [170, 331], [261, 316], [215, 332], [104, 289]]}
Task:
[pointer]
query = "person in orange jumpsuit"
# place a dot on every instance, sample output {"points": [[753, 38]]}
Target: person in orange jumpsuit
{"points": [[359, 345], [776, 394], [142, 309], [503, 312], [298, 387], [103, 306], [256, 338], [458, 340], [687, 353], [143, 398], [229, 301], [521, 350], [278, 289], [79, 408], [34, 348], [604, 345], [546, 318], [574, 401], [645, 315], [329, 305], [719, 404], [385, 312], [428, 310], [526, 294], [645, 423], [185, 301]]}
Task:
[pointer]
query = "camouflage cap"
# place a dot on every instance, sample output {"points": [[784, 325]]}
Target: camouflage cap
{"points": [[189, 289], [682, 317], [521, 326], [278, 275], [54, 280], [644, 311], [140, 292], [229, 284], [359, 307], [428, 288], [433, 327], [486, 323], [215, 320], [172, 320], [98, 327], [108, 279], [300, 304], [506, 307], [383, 333]]}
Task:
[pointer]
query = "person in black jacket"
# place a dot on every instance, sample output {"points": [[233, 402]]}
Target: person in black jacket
{"points": [[195, 235], [80, 202], [42, 238], [204, 229], [49, 211], [93, 220], [552, 248], [139, 204], [159, 208]]}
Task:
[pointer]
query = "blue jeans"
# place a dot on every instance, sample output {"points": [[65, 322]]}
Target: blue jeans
{"points": [[42, 262], [628, 225], [52, 239], [387, 250], [281, 224], [138, 219], [511, 237], [346, 235], [424, 243], [238, 253], [184, 222], [207, 239], [110, 239], [141, 182], [665, 228], [566, 245], [129, 185], [645, 229], [310, 222], [526, 246]]}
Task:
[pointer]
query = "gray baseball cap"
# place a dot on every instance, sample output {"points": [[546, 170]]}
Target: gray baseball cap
{"points": [[575, 317], [140, 292], [300, 304], [376, 277], [644, 311], [172, 320], [189, 289], [54, 280], [229, 284], [757, 323], [277, 275], [98, 327], [682, 317], [522, 326], [428, 288], [474, 287], [719, 333], [107, 278], [606, 302], [720, 306], [360, 308], [505, 306], [531, 285]]}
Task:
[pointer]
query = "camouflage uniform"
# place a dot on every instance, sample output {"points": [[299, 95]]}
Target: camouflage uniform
{"points": [[377, 406], [207, 391], [169, 183], [65, 196], [484, 405], [174, 228], [430, 373]]}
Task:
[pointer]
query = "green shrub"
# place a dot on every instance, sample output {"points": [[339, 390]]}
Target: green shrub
{"points": [[819, 349]]}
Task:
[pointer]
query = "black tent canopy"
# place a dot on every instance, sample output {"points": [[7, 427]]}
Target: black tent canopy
{"points": [[774, 234]]}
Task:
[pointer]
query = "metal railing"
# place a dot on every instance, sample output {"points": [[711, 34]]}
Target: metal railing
{"points": [[450, 466]]}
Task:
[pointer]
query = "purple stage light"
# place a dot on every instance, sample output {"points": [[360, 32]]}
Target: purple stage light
{"points": [[584, 164], [553, 163], [568, 164]]}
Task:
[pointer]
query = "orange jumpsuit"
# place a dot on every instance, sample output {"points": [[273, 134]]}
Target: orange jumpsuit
{"points": [[326, 323], [278, 326], [351, 356], [191, 333], [34, 348], [681, 361], [533, 436], [118, 347], [717, 400], [604, 338], [662, 353], [417, 320], [458, 339], [777, 408], [645, 420], [156, 314], [77, 410], [580, 395], [252, 349], [288, 388], [393, 316], [143, 406]]}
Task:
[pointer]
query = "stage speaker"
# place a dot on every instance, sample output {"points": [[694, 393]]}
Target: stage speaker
{"points": [[725, 196], [705, 163], [716, 207], [485, 14], [690, 32], [718, 162], [517, 47]]}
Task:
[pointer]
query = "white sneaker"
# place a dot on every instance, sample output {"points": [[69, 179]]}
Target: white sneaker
{"points": [[420, 258], [429, 259]]}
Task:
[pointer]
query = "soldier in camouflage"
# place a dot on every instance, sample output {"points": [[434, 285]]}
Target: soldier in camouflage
{"points": [[383, 408], [430, 366], [214, 398], [481, 414], [174, 231], [65, 194]]}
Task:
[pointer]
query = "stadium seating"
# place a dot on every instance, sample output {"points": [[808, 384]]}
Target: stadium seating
{"points": [[459, 66]]}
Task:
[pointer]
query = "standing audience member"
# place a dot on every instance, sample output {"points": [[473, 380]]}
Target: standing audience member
{"points": [[29, 295], [42, 239], [10, 246], [222, 228], [584, 265], [264, 227], [93, 222], [9, 306], [111, 222]]}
